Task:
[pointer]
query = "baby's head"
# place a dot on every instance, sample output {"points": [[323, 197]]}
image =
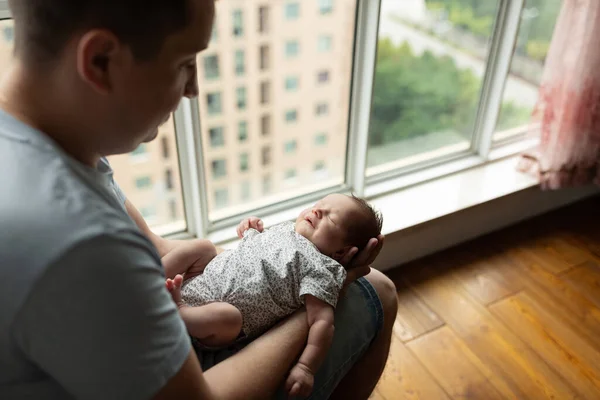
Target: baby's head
{"points": [[337, 223]]}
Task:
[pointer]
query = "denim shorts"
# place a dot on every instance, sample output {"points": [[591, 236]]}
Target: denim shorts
{"points": [[358, 320]]}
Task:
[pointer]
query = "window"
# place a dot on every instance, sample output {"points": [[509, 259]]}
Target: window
{"points": [[165, 147], [265, 125], [521, 88], [143, 182], [169, 179], [9, 34], [241, 98], [219, 169], [173, 209], [149, 213], [292, 11], [292, 83], [242, 131], [217, 138], [321, 139], [320, 170], [325, 6], [264, 57], [238, 23], [319, 166], [265, 89], [324, 45], [322, 109], [292, 47], [291, 116], [141, 150], [263, 19], [244, 162], [214, 33], [290, 175], [240, 65], [267, 184], [291, 146], [221, 198], [266, 156], [245, 191], [323, 76], [211, 67], [213, 102]]}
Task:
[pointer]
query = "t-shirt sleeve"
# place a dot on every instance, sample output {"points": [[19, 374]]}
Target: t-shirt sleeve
{"points": [[320, 276], [101, 323], [119, 192]]}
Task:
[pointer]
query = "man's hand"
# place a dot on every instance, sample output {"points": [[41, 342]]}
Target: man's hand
{"points": [[359, 264], [252, 222], [300, 381]]}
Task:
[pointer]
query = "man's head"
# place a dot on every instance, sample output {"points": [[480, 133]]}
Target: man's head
{"points": [[124, 64], [337, 223]]}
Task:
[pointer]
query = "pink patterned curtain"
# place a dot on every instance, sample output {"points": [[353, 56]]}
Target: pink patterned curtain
{"points": [[568, 108]]}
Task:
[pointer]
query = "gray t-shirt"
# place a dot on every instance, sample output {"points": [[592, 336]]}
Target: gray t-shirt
{"points": [[83, 308]]}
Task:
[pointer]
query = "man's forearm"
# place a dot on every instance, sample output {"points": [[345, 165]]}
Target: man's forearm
{"points": [[260, 368]]}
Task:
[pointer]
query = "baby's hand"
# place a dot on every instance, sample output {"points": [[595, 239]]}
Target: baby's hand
{"points": [[300, 381], [252, 222]]}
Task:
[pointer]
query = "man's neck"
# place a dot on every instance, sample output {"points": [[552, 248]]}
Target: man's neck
{"points": [[31, 98]]}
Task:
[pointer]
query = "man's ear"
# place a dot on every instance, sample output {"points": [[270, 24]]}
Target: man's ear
{"points": [[97, 53], [340, 254]]}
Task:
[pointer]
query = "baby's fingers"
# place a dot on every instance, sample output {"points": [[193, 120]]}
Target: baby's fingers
{"points": [[296, 390]]}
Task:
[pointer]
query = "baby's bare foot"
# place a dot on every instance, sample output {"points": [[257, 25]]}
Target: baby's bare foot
{"points": [[174, 287]]}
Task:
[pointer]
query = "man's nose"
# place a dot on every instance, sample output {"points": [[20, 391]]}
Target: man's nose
{"points": [[191, 89]]}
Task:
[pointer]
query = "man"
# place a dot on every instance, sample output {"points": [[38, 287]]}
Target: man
{"points": [[84, 310]]}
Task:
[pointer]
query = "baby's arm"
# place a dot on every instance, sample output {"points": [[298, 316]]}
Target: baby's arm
{"points": [[320, 317], [252, 222]]}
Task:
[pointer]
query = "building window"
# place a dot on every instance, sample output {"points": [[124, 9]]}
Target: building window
{"points": [[211, 67], [173, 209], [242, 131], [292, 11], [319, 165], [165, 147], [213, 102], [214, 34], [221, 198], [267, 184], [292, 83], [264, 57], [143, 182], [324, 44], [148, 212], [291, 116], [322, 109], [265, 89], [265, 125], [241, 98], [240, 64], [320, 170], [263, 19], [325, 6], [9, 34], [244, 162], [266, 156], [291, 146], [219, 168], [292, 48], [245, 191], [169, 179], [290, 174], [238, 23], [323, 76], [321, 139], [217, 138], [141, 150]]}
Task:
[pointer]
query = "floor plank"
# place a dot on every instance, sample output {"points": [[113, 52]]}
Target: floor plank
{"points": [[524, 372], [414, 317], [586, 279], [460, 373], [559, 346], [405, 378]]}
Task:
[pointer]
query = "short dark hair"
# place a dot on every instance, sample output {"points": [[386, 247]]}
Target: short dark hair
{"points": [[367, 226], [43, 27]]}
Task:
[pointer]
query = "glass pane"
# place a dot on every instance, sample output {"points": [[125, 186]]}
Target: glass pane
{"points": [[521, 88], [295, 88], [430, 65]]}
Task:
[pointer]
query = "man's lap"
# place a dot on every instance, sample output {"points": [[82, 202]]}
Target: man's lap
{"points": [[358, 319]]}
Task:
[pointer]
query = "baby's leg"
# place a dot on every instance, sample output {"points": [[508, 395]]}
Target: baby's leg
{"points": [[215, 324], [189, 258]]}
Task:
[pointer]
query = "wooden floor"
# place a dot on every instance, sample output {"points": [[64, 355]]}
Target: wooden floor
{"points": [[514, 315]]}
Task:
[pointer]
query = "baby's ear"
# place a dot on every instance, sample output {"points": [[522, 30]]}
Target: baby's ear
{"points": [[340, 254]]}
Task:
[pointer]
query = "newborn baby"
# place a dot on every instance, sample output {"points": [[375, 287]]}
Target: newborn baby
{"points": [[243, 292]]}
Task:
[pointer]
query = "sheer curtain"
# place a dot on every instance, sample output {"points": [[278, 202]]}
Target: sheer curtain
{"points": [[568, 108]]}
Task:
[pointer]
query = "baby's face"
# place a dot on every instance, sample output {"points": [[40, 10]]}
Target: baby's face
{"points": [[325, 223]]}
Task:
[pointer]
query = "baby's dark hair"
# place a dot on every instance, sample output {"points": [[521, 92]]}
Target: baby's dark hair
{"points": [[366, 226]]}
